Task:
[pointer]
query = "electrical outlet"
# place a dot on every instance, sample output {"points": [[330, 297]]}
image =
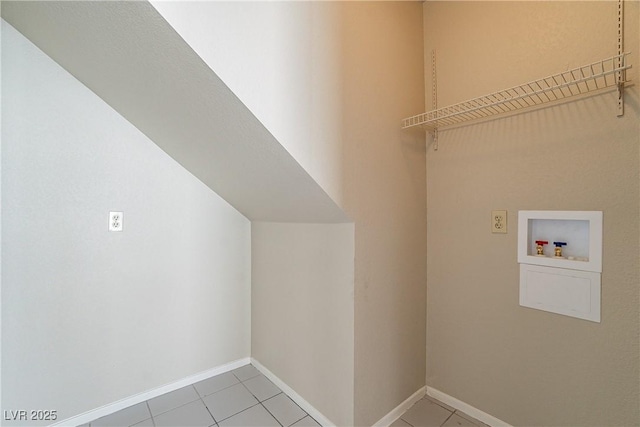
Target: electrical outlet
{"points": [[499, 222], [115, 221]]}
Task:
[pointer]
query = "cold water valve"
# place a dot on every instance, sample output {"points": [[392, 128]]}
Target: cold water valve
{"points": [[558, 249]]}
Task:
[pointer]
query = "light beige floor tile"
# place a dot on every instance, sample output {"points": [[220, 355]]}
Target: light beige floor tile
{"points": [[425, 413], [145, 423], [400, 423], [306, 422], [284, 409], [261, 387], [192, 414], [229, 401], [457, 421], [245, 372], [172, 400], [437, 402], [217, 383], [126, 417], [256, 416], [471, 419]]}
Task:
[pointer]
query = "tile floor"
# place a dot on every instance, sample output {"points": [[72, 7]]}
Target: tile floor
{"points": [[246, 398], [429, 412], [242, 398]]}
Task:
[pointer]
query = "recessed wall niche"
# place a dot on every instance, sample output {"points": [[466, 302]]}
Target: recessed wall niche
{"points": [[560, 256]]}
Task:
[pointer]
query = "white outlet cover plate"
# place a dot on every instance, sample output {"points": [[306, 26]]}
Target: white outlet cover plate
{"points": [[116, 220]]}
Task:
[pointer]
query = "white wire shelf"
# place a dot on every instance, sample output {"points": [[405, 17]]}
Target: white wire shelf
{"points": [[588, 78]]}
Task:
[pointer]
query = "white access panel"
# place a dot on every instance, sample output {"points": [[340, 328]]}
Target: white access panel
{"points": [[563, 291]]}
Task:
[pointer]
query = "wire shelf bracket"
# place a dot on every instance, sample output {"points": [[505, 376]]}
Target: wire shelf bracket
{"points": [[578, 81], [621, 76], [434, 95]]}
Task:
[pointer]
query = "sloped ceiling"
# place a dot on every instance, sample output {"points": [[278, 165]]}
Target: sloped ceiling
{"points": [[134, 60]]}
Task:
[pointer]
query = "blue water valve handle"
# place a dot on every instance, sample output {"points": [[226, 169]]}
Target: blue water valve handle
{"points": [[558, 250]]}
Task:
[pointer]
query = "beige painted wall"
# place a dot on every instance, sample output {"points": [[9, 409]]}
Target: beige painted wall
{"points": [[524, 366], [332, 81], [384, 192], [302, 311]]}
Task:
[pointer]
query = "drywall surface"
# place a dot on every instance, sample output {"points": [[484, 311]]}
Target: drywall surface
{"points": [[90, 316], [281, 59], [384, 192], [133, 59], [0, 216], [302, 310], [332, 81], [524, 366]]}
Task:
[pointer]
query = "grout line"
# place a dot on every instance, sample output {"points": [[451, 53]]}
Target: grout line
{"points": [[153, 422], [469, 418], [440, 404], [257, 398], [282, 392], [207, 408], [275, 395], [305, 416], [247, 379], [217, 391], [240, 382], [405, 420], [250, 392], [179, 406], [258, 403], [274, 417], [445, 421], [305, 412]]}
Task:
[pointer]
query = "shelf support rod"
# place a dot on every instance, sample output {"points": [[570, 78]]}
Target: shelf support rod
{"points": [[620, 75], [434, 97]]}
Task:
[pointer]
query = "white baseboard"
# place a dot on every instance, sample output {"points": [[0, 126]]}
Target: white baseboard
{"points": [[306, 406], [385, 421], [466, 408], [397, 412], [150, 394]]}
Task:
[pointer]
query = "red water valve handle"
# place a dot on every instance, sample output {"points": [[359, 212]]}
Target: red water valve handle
{"points": [[539, 247]]}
